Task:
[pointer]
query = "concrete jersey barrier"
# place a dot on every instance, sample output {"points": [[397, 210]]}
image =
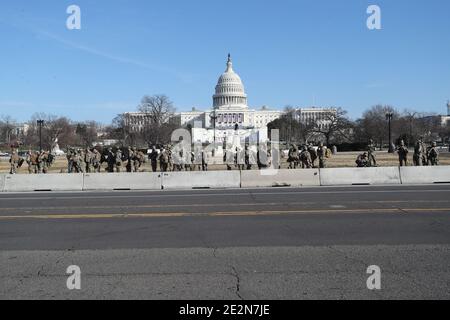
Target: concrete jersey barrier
{"points": [[425, 175], [201, 179], [224, 179], [43, 182], [360, 176], [122, 181], [2, 182], [280, 178]]}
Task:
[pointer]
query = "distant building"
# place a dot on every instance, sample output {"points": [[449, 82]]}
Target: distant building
{"points": [[230, 115], [442, 119], [445, 120], [314, 115], [136, 121]]}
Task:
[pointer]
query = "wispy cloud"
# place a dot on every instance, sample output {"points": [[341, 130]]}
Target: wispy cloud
{"points": [[119, 59], [184, 77]]}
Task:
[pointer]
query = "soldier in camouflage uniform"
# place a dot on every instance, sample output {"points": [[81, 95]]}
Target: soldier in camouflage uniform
{"points": [[96, 160], [204, 155], [305, 158], [420, 151], [76, 162], [192, 165], [44, 159], [38, 166], [111, 160], [163, 158], [247, 157], [239, 159], [118, 162], [313, 154], [34, 160], [322, 155], [129, 159], [371, 154], [88, 159], [70, 164], [139, 160], [171, 166], [179, 166], [362, 161], [403, 151], [433, 155], [293, 157], [28, 161], [154, 159], [14, 161]]}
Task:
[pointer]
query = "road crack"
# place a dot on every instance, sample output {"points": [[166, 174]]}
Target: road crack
{"points": [[238, 283]]}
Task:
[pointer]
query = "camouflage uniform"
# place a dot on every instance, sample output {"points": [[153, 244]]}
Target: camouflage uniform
{"points": [[293, 157], [76, 162], [170, 164], [138, 159], [419, 158], [154, 159], [204, 160], [313, 154], [163, 158], [305, 158], [28, 161], [81, 163], [403, 151], [118, 162], [362, 161], [88, 159], [433, 155], [248, 165], [371, 154], [14, 161], [111, 159], [44, 160], [130, 160], [70, 160], [34, 160], [322, 155], [96, 161]]}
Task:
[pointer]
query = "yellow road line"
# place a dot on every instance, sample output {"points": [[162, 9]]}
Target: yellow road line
{"points": [[218, 214], [205, 205]]}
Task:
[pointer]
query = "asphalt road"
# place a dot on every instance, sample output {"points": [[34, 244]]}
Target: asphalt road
{"points": [[228, 244]]}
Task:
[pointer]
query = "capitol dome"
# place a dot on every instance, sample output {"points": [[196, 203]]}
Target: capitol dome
{"points": [[230, 90]]}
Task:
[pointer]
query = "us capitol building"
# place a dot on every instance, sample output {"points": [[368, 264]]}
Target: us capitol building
{"points": [[230, 115]]}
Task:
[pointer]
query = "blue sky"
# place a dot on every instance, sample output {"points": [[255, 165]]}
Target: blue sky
{"points": [[288, 52]]}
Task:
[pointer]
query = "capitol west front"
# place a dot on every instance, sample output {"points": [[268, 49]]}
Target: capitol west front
{"points": [[232, 115]]}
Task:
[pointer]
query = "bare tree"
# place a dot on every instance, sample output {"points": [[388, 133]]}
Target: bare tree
{"points": [[159, 110], [118, 130], [53, 128], [373, 124], [7, 125], [87, 132], [290, 128], [334, 126], [158, 107]]}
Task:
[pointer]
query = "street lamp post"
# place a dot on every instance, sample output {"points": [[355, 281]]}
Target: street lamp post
{"points": [[40, 124], [389, 117], [411, 120]]}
